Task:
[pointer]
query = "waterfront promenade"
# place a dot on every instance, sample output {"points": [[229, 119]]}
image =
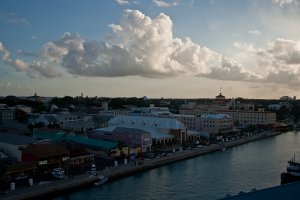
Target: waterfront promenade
{"points": [[58, 187]]}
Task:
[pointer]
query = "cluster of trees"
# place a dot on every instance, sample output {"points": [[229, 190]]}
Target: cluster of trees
{"points": [[120, 102]]}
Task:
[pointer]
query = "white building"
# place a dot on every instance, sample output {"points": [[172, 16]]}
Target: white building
{"points": [[162, 130], [12, 145], [220, 123], [241, 117], [114, 112], [216, 124]]}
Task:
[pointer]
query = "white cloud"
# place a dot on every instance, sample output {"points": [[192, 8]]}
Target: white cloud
{"points": [[20, 65], [146, 47], [123, 2], [35, 69], [245, 53], [115, 28], [163, 4], [244, 46], [5, 52], [44, 69], [285, 51], [254, 32], [34, 37], [27, 53], [13, 18], [286, 2], [231, 70], [281, 62]]}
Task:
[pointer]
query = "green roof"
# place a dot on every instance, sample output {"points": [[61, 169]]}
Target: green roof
{"points": [[92, 143]]}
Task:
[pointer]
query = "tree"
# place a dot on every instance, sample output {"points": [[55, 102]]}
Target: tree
{"points": [[54, 125], [20, 115]]}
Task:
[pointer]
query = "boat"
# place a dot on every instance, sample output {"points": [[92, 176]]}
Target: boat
{"points": [[101, 180], [58, 173], [222, 149], [292, 173], [94, 170]]}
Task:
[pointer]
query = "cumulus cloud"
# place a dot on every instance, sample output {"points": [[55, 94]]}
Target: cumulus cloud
{"points": [[282, 61], [284, 77], [44, 69], [231, 70], [27, 53], [244, 46], [19, 65], [279, 63], [34, 69], [254, 32], [145, 47], [5, 52], [286, 2], [285, 51]]}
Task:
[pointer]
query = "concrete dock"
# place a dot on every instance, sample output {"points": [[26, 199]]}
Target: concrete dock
{"points": [[58, 187]]}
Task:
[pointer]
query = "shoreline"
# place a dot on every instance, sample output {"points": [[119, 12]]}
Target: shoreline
{"points": [[179, 156], [69, 184]]}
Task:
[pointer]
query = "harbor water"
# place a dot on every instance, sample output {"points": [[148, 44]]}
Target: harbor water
{"points": [[254, 165]]}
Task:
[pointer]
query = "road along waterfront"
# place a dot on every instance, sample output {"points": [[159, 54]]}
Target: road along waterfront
{"points": [[211, 176], [128, 170]]}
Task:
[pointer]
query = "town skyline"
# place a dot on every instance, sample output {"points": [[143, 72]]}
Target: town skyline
{"points": [[169, 49]]}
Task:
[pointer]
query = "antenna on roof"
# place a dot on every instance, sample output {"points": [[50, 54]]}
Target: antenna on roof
{"points": [[220, 90]]}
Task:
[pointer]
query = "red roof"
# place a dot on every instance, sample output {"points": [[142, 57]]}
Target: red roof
{"points": [[46, 150]]}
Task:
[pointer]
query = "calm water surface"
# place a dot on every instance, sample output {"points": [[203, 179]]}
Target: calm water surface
{"points": [[212, 176]]}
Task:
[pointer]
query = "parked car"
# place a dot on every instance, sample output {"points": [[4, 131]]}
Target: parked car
{"points": [[58, 173]]}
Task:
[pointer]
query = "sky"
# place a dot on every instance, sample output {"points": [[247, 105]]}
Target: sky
{"points": [[153, 48]]}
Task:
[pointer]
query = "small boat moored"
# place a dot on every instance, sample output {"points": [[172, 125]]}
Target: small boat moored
{"points": [[292, 173], [101, 180], [222, 149]]}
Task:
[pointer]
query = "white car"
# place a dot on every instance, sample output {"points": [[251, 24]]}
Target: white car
{"points": [[58, 173]]}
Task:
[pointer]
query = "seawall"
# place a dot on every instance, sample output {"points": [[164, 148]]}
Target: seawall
{"points": [[150, 164], [58, 187]]}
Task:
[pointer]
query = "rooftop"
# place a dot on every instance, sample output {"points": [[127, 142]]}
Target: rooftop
{"points": [[46, 150], [93, 143], [155, 133], [15, 139], [215, 116], [145, 122]]}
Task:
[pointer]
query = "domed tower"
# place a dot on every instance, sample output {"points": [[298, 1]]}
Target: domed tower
{"points": [[220, 96]]}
